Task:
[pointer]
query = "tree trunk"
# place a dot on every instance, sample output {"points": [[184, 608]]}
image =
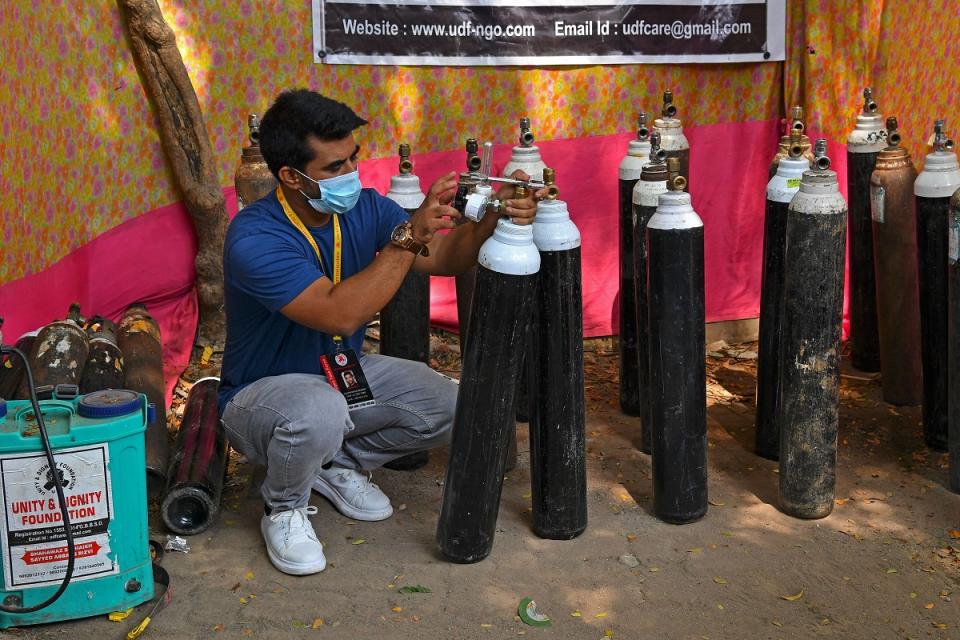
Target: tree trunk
{"points": [[184, 138]]}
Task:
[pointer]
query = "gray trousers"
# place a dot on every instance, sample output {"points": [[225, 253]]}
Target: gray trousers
{"points": [[295, 423]]}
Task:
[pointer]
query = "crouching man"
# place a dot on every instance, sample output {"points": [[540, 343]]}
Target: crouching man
{"points": [[305, 268]]}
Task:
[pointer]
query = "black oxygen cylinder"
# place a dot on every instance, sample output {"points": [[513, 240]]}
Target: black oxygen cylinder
{"points": [[677, 363], [810, 348], [953, 377], [638, 152], [104, 366], [933, 188], [198, 465], [57, 356], [12, 368], [484, 419], [465, 281], [405, 321], [863, 146], [646, 195], [138, 336], [780, 191], [558, 462]]}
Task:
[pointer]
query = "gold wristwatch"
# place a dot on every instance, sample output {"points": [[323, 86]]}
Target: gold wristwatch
{"points": [[402, 236]]}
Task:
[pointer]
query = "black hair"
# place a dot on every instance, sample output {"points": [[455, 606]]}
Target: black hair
{"points": [[296, 115]]}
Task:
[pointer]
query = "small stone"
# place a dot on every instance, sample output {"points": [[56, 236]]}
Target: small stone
{"points": [[629, 560]]}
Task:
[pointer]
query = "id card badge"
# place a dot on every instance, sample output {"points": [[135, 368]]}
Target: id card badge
{"points": [[345, 375]]}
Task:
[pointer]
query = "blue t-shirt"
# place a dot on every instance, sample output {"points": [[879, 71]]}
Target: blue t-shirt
{"points": [[267, 263]]}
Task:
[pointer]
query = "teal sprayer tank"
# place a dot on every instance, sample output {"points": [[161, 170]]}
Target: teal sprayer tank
{"points": [[97, 442]]}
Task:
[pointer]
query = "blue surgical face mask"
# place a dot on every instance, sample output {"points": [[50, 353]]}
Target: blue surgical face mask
{"points": [[337, 195]]}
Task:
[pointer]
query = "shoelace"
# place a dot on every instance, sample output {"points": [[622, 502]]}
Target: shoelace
{"points": [[303, 531], [362, 483]]}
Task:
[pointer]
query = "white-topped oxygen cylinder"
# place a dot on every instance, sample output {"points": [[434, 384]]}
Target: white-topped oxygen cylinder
{"points": [[525, 155], [672, 139], [864, 144], [405, 321], [645, 198], [484, 421], [810, 341], [678, 379], [932, 190], [781, 189], [638, 154], [558, 472]]}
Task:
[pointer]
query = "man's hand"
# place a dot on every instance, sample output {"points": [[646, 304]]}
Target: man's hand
{"points": [[436, 213], [520, 211]]}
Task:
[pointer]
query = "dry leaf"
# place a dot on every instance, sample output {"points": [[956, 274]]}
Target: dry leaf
{"points": [[695, 550], [776, 623], [317, 623], [576, 614], [654, 569], [929, 605], [602, 614], [358, 541], [631, 537], [243, 601], [939, 625], [235, 587], [485, 625], [248, 575], [716, 503], [954, 533], [218, 627], [891, 570], [248, 632], [794, 597], [719, 580], [396, 609]]}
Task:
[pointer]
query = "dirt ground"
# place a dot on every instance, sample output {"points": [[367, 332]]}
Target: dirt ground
{"points": [[885, 564]]}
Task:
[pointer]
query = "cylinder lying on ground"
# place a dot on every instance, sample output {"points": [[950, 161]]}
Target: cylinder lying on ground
{"points": [[12, 368], [938, 181], [677, 363], [863, 145], [638, 153], [505, 287], [645, 197], [57, 356], [895, 262], [198, 464], [810, 342], [104, 366], [780, 191], [558, 472], [138, 336]]}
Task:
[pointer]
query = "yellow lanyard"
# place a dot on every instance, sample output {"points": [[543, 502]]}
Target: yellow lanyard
{"points": [[337, 243]]}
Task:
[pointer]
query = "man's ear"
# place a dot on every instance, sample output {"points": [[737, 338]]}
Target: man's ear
{"points": [[290, 178]]}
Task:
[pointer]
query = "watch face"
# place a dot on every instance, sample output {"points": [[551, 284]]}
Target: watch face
{"points": [[399, 233]]}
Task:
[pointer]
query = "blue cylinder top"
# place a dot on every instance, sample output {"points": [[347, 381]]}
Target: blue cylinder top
{"points": [[109, 403]]}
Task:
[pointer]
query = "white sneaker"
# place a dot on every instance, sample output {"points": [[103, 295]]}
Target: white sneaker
{"points": [[291, 542], [353, 494]]}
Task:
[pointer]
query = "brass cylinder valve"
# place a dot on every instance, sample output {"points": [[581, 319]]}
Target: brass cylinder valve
{"points": [[526, 136], [796, 148], [797, 120], [675, 181], [643, 132], [550, 182], [892, 136], [406, 166], [657, 155], [820, 160], [473, 158], [869, 106], [669, 110]]}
